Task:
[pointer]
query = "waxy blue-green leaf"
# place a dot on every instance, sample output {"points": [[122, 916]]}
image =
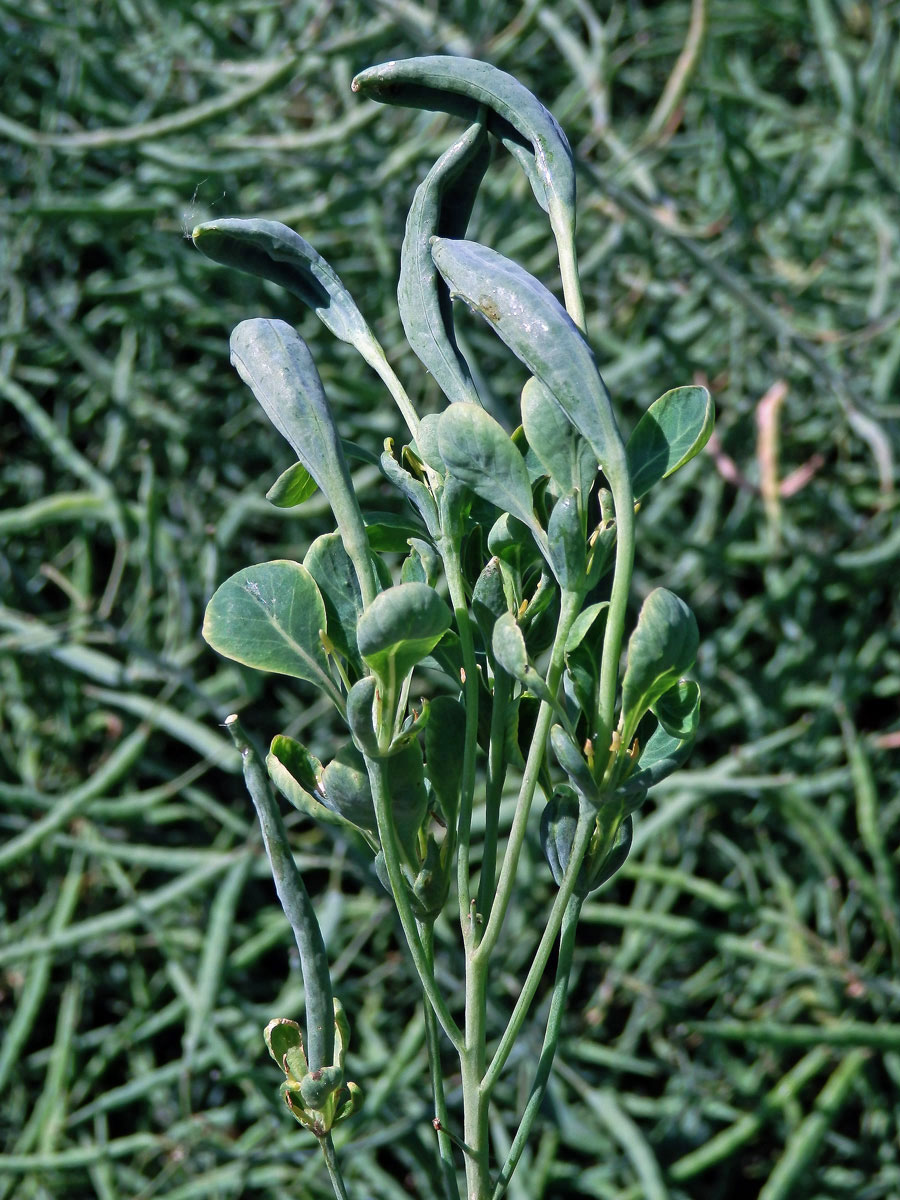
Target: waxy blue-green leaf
{"points": [[401, 626], [415, 491], [346, 790], [445, 743], [292, 487], [287, 772], [562, 452], [330, 566], [567, 545], [678, 710], [477, 450], [539, 331], [275, 252], [662, 755], [462, 86], [572, 761], [361, 715], [671, 432], [274, 361], [465, 87], [269, 617], [441, 206], [662, 647]]}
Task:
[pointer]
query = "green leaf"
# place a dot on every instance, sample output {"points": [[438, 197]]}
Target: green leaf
{"points": [[445, 741], [285, 1042], [662, 647], [678, 710], [274, 361], [269, 617], [361, 715], [346, 790], [539, 331], [572, 761], [464, 87], [275, 252], [582, 624], [508, 646], [441, 206], [401, 626], [390, 532], [295, 757], [566, 544], [671, 432], [330, 566], [662, 755], [285, 770], [562, 452], [292, 487], [409, 798], [477, 450]]}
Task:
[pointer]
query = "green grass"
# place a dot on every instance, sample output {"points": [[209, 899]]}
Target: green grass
{"points": [[733, 1022]]}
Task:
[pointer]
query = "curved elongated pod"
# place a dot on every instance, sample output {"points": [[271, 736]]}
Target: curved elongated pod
{"points": [[441, 207], [539, 331], [461, 86], [275, 363]]}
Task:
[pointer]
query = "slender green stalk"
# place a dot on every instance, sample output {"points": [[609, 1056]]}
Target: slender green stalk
{"points": [[450, 554], [548, 1050], [583, 832], [296, 904], [570, 606], [387, 835], [334, 1171], [623, 498], [442, 1116], [378, 362], [496, 777]]}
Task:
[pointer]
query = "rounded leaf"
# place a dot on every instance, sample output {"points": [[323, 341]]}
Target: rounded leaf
{"points": [[400, 627], [671, 432], [662, 647], [269, 617]]}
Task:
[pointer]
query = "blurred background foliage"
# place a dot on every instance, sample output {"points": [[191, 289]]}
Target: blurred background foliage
{"points": [[733, 1024]]}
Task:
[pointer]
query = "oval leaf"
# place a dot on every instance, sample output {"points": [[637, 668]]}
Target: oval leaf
{"points": [[269, 617], [442, 205], [445, 743], [401, 626], [671, 432], [567, 545], [476, 450], [292, 487], [562, 452], [662, 647], [678, 710]]}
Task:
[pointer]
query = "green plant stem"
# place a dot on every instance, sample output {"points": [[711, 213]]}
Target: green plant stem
{"points": [[551, 1041], [296, 904], [619, 477], [570, 607], [449, 549], [496, 777], [568, 269], [583, 832], [377, 360], [387, 835], [334, 1171], [445, 1143]]}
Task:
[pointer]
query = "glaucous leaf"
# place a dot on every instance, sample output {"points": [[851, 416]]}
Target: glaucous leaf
{"points": [[562, 452], [269, 617], [275, 252], [539, 331], [401, 626], [445, 742], [463, 86], [441, 206], [477, 450], [678, 710], [346, 791], [330, 566], [292, 487], [662, 647], [567, 547], [671, 432]]}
